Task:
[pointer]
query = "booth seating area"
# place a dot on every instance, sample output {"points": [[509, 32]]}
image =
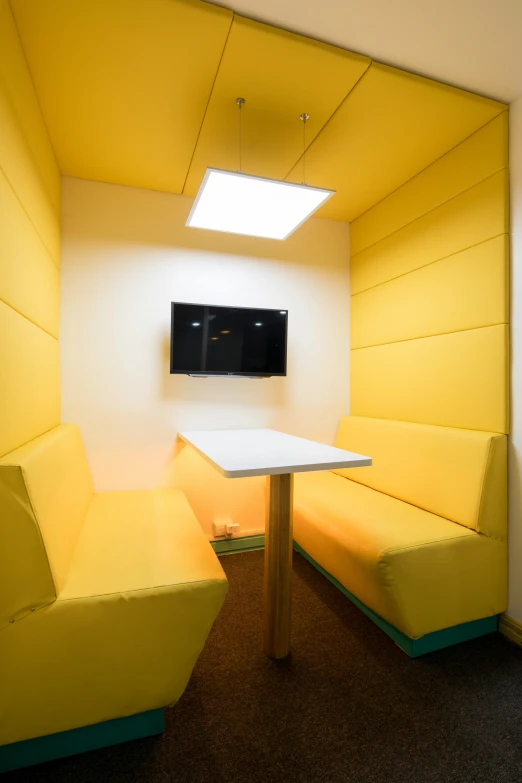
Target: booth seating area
{"points": [[398, 303], [418, 538], [115, 594]]}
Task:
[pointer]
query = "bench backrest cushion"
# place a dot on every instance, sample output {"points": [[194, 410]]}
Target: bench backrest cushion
{"points": [[45, 489], [457, 474]]}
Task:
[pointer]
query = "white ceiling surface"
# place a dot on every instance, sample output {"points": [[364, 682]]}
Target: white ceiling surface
{"points": [[473, 44]]}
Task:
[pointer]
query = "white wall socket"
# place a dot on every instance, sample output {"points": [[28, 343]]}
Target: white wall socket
{"points": [[219, 527], [224, 527], [232, 529]]}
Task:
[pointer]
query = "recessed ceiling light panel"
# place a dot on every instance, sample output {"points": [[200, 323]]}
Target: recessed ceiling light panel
{"points": [[240, 203]]}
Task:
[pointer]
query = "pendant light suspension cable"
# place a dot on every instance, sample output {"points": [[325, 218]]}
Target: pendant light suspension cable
{"points": [[304, 117], [252, 205], [240, 102]]}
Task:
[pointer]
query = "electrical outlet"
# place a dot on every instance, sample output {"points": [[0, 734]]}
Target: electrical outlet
{"points": [[219, 526], [219, 529], [232, 529], [224, 527]]}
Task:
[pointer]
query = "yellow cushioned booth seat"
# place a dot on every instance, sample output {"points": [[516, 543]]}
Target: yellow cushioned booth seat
{"points": [[139, 596], [137, 541], [458, 474], [420, 571]]}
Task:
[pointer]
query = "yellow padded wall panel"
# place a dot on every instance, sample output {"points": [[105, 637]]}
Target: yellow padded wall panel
{"points": [[22, 172], [478, 157], [391, 126], [452, 380], [464, 291], [128, 106], [478, 214], [29, 279], [19, 85], [30, 380], [280, 74]]}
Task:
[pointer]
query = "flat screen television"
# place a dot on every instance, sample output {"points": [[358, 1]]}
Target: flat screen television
{"points": [[242, 341]]}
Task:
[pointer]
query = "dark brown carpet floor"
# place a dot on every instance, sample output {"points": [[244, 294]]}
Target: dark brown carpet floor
{"points": [[346, 707]]}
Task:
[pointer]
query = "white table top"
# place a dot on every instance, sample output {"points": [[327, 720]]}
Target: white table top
{"points": [[240, 453]]}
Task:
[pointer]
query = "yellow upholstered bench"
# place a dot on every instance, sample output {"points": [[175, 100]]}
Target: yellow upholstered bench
{"points": [[105, 601], [418, 539]]}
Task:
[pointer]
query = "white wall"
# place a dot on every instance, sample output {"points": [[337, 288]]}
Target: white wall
{"points": [[126, 254], [515, 456]]}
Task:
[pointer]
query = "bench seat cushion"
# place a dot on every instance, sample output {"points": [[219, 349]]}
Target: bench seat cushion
{"points": [[139, 540], [143, 589], [419, 571]]}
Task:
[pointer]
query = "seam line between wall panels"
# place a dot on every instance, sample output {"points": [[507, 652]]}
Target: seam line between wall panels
{"points": [[36, 99], [29, 218], [442, 204], [414, 176], [23, 315], [329, 119], [430, 263], [207, 104], [429, 336], [28, 146]]}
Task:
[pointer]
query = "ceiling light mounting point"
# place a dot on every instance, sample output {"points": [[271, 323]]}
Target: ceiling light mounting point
{"points": [[239, 203], [240, 102], [304, 117]]}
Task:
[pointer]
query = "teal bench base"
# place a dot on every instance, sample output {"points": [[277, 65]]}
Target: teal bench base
{"points": [[229, 546], [431, 642], [69, 743]]}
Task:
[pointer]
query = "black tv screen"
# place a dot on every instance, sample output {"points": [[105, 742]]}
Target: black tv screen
{"points": [[210, 340]]}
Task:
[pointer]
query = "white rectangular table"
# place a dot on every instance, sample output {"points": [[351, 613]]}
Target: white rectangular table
{"points": [[241, 453]]}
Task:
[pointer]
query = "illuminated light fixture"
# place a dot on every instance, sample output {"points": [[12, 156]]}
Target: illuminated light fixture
{"points": [[196, 323], [225, 331], [258, 323], [253, 206], [239, 203]]}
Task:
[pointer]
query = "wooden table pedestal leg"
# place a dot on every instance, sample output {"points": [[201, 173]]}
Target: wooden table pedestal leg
{"points": [[278, 566]]}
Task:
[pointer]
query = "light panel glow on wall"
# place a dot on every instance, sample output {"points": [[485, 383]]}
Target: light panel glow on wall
{"points": [[243, 204]]}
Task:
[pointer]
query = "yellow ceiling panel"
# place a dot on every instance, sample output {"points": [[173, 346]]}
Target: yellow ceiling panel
{"points": [[391, 126], [280, 75], [123, 84]]}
